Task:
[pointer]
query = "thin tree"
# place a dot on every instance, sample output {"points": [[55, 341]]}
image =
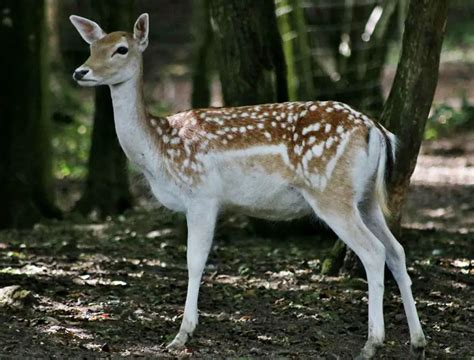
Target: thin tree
{"points": [[337, 49], [26, 184], [202, 33]]}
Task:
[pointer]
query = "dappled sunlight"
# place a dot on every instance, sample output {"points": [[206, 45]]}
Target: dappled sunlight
{"points": [[442, 187], [119, 288]]}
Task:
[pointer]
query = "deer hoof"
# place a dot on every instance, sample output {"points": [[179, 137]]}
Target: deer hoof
{"points": [[368, 351], [417, 352], [178, 342]]}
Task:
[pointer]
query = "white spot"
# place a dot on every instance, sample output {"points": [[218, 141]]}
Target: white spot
{"points": [[274, 124], [318, 149], [159, 131], [202, 115], [175, 140], [303, 113], [327, 128], [166, 139], [268, 135], [260, 125], [153, 122], [283, 115], [234, 129], [245, 114], [329, 142], [312, 127], [243, 129], [311, 140], [295, 137], [329, 109], [220, 132], [230, 137], [250, 127], [339, 129], [225, 142], [313, 108]]}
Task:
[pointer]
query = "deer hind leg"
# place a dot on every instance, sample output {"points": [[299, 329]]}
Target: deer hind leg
{"points": [[375, 221], [345, 220]]}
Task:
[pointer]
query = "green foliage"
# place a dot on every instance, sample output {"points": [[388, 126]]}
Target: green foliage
{"points": [[71, 131], [446, 119]]}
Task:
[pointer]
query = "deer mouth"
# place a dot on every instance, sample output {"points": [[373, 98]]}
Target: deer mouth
{"points": [[87, 82]]}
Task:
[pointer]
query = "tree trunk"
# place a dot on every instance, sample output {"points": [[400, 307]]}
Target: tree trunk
{"points": [[411, 96], [107, 188], [292, 25], [406, 109], [26, 184], [249, 51], [201, 95]]}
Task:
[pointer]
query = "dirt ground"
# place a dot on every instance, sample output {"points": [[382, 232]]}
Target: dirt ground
{"points": [[86, 289]]}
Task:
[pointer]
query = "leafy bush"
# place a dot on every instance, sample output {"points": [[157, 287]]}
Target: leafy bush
{"points": [[447, 119]]}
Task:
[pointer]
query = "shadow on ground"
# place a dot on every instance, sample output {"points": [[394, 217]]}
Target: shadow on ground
{"points": [[117, 289]]}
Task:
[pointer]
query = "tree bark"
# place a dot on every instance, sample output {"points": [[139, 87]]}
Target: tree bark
{"points": [[107, 188], [411, 96], [26, 183], [201, 80], [249, 51]]}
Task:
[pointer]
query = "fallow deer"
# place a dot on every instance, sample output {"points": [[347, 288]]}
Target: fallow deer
{"points": [[273, 161]]}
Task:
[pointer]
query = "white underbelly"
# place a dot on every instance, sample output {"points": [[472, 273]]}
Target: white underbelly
{"points": [[263, 196]]}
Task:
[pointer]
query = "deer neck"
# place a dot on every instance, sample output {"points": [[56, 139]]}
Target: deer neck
{"points": [[131, 121]]}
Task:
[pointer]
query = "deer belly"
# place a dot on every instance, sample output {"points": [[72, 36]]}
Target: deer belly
{"points": [[266, 199]]}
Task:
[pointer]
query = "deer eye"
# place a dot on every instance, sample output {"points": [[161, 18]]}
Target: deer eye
{"points": [[122, 50]]}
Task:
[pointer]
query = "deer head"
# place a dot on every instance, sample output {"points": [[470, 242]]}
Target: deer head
{"points": [[115, 57]]}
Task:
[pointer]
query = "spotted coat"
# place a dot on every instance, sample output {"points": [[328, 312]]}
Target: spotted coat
{"points": [[313, 133]]}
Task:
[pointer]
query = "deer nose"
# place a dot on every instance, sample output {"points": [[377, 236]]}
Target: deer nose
{"points": [[79, 74]]}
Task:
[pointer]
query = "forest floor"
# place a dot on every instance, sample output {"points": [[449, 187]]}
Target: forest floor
{"points": [[87, 289]]}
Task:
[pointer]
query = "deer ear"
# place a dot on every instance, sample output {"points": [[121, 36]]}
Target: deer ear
{"points": [[141, 30], [89, 30]]}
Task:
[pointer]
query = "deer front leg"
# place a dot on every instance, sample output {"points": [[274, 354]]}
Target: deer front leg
{"points": [[201, 220]]}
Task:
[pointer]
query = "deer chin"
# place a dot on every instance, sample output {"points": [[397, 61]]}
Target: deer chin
{"points": [[88, 82]]}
